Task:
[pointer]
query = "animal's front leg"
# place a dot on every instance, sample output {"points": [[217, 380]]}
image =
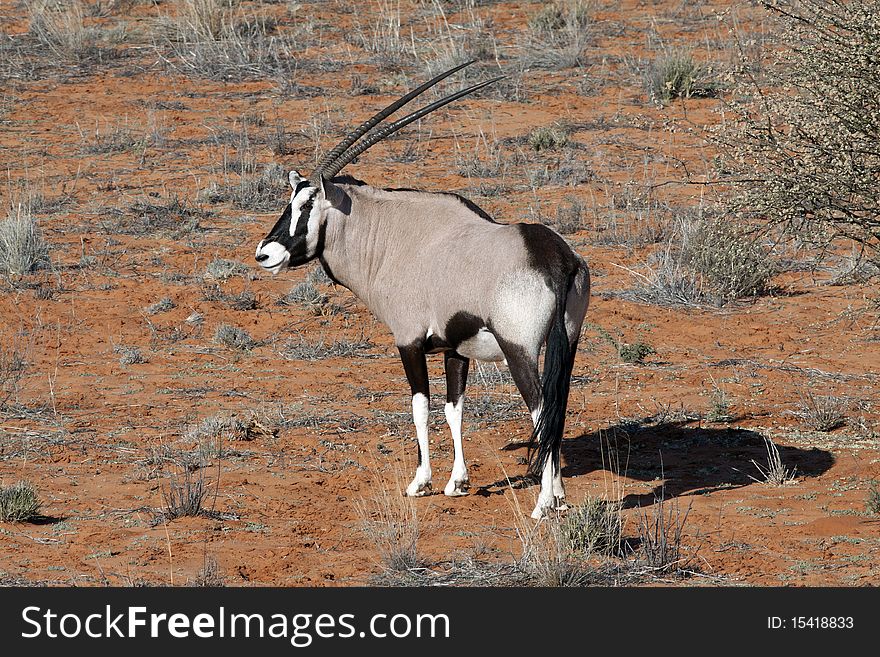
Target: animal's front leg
{"points": [[456, 380], [416, 367]]}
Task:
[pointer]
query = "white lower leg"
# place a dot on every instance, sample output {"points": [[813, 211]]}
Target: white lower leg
{"points": [[546, 499], [421, 483], [458, 482]]}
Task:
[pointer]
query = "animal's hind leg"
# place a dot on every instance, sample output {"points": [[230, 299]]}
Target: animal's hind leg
{"points": [[416, 368], [524, 370], [456, 380]]}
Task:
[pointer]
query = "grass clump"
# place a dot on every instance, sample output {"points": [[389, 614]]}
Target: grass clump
{"points": [[163, 305], [675, 74], [559, 34], [185, 497], [22, 247], [390, 524], [720, 410], [873, 503], [706, 262], [173, 216], [59, 28], [214, 39], [774, 472], [661, 533], [592, 527], [569, 216], [19, 502], [130, 355], [234, 338], [632, 353], [548, 138], [821, 412], [222, 269]]}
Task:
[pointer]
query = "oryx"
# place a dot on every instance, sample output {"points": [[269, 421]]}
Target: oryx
{"points": [[445, 278]]}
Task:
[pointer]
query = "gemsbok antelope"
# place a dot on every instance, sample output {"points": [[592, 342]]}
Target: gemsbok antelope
{"points": [[445, 278]]}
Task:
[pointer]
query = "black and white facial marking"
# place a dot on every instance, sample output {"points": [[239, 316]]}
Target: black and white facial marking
{"points": [[296, 236]]}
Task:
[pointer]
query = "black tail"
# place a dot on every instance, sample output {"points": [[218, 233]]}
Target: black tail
{"points": [[555, 384]]}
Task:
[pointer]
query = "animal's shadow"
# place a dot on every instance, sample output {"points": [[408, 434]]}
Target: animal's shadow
{"points": [[683, 457]]}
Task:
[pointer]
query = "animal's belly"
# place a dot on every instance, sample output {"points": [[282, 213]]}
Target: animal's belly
{"points": [[483, 346]]}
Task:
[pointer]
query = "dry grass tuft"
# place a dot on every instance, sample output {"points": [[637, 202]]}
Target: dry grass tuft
{"points": [[19, 502], [22, 247]]}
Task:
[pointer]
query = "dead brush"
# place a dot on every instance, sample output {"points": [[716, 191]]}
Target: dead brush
{"points": [[186, 496], [215, 39], [661, 532]]}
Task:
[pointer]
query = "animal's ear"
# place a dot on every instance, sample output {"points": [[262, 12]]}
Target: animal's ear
{"points": [[332, 193], [294, 179]]}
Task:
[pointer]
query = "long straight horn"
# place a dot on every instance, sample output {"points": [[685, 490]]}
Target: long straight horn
{"points": [[383, 132], [372, 122]]}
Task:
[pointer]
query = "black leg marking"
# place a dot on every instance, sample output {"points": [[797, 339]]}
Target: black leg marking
{"points": [[524, 370], [415, 365], [456, 376]]}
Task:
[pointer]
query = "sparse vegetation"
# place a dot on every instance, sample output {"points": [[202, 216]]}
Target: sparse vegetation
{"points": [[129, 355], [302, 349], [215, 39], [209, 574], [719, 411], [60, 28], [559, 33], [19, 502], [172, 216], [633, 353], [222, 269], [12, 368], [163, 305], [186, 497], [569, 216], [548, 138]]}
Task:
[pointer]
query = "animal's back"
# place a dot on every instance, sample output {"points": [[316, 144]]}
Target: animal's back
{"points": [[461, 270]]}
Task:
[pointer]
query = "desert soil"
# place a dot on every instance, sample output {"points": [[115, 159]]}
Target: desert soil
{"points": [[131, 161]]}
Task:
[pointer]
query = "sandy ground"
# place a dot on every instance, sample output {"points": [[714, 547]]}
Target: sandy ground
{"points": [[119, 397]]}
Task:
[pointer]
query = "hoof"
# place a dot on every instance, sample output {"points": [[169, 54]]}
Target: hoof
{"points": [[544, 509], [416, 489], [457, 488]]}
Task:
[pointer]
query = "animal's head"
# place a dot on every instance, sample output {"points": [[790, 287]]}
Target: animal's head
{"points": [[299, 234]]}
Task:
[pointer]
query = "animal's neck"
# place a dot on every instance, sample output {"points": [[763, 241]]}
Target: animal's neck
{"points": [[355, 245]]}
